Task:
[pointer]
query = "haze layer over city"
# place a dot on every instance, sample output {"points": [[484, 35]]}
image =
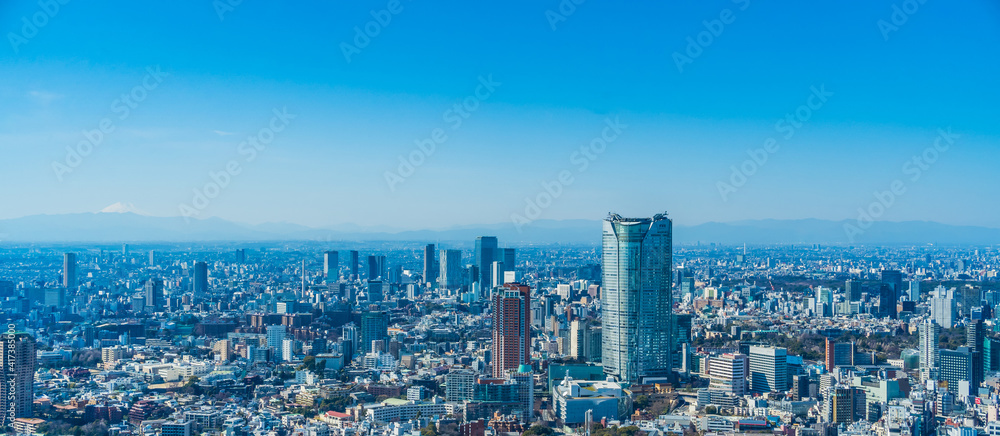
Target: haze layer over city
{"points": [[395, 218]]}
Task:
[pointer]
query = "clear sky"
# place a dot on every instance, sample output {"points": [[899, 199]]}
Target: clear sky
{"points": [[688, 112]]}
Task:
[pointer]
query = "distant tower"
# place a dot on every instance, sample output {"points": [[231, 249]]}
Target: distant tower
{"points": [[349, 337], [377, 268], [887, 301], [200, 278], [853, 290], [354, 265], [17, 384], [154, 295], [69, 270], [511, 328], [303, 278], [637, 299], [152, 258], [486, 247], [509, 258], [451, 269], [331, 265], [430, 270], [894, 279]]}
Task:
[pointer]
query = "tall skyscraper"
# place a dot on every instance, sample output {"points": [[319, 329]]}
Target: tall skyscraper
{"points": [[503, 261], [377, 268], [914, 290], [824, 301], [354, 264], [486, 248], [496, 274], [451, 269], [511, 327], [887, 301], [17, 360], [374, 327], [975, 340], [200, 278], [349, 338], [975, 334], [894, 279], [853, 290], [154, 295], [930, 352], [584, 341], [768, 369], [69, 270], [331, 265], [430, 266], [637, 301]]}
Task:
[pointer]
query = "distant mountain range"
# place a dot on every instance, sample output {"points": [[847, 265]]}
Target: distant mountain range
{"points": [[128, 226]]}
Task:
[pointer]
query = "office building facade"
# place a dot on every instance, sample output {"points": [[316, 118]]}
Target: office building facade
{"points": [[768, 369]]}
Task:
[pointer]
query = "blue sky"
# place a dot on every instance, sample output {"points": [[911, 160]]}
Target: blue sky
{"points": [[684, 129]]}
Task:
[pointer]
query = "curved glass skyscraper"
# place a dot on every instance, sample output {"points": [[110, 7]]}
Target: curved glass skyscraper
{"points": [[637, 299]]}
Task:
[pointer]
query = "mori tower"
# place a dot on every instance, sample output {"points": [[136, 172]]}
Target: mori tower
{"points": [[637, 300]]}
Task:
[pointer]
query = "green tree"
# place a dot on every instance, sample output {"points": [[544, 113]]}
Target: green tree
{"points": [[309, 363], [430, 430], [538, 430], [641, 402]]}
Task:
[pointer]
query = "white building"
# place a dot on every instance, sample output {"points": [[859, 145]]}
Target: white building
{"points": [[728, 373], [572, 399]]}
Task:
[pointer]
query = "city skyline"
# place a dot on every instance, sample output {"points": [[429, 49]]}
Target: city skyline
{"points": [[849, 104], [534, 218]]}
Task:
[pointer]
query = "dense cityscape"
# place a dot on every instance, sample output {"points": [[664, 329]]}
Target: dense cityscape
{"points": [[632, 335]]}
